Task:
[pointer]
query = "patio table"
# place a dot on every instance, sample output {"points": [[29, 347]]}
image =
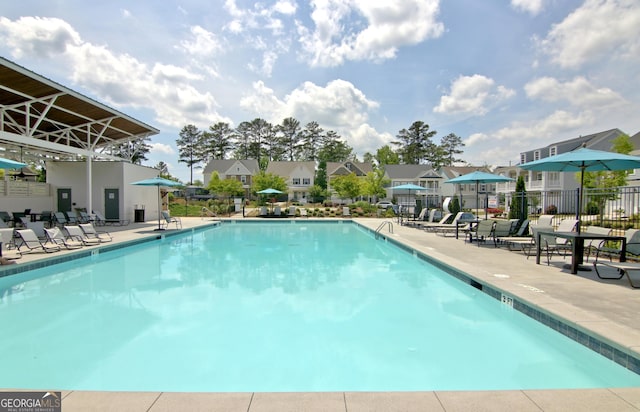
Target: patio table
{"points": [[577, 245]]}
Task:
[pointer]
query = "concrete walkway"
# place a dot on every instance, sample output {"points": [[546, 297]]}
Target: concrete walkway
{"points": [[608, 309]]}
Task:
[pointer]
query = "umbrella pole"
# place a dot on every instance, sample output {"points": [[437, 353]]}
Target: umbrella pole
{"points": [[159, 208], [580, 197]]}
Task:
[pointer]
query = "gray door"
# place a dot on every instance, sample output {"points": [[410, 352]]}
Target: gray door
{"points": [[112, 203], [64, 200]]}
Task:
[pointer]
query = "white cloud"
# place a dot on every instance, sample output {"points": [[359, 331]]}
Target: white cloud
{"points": [[475, 95], [366, 30], [579, 92], [119, 79], [37, 37], [338, 106], [161, 148], [599, 29], [532, 7], [203, 43]]}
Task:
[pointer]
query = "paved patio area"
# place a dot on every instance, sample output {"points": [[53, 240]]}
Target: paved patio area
{"points": [[607, 308]]}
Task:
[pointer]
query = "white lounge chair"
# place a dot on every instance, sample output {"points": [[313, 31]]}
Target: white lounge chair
{"points": [[346, 212], [55, 235], [31, 242], [91, 232], [303, 212], [292, 211], [77, 234], [623, 269], [8, 249], [168, 219]]}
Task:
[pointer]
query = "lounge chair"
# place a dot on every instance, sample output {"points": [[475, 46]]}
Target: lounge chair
{"points": [[7, 245], [303, 212], [482, 231], [451, 228], [75, 233], [168, 219], [31, 242], [54, 235], [623, 269], [91, 232], [277, 211], [292, 211], [613, 249], [548, 243], [346, 212], [594, 244], [60, 219], [263, 211], [566, 225], [100, 220], [46, 216], [72, 217], [428, 225], [5, 217], [545, 220], [84, 217]]}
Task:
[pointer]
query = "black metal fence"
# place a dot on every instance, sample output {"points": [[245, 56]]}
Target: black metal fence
{"points": [[618, 208]]}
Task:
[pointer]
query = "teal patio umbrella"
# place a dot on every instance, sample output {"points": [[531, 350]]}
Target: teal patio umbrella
{"points": [[478, 177], [583, 160], [10, 164], [409, 187], [270, 191], [158, 181]]}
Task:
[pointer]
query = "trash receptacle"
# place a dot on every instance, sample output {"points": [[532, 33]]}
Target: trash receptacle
{"points": [[138, 214]]}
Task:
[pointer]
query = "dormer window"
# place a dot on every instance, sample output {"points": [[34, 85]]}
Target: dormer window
{"points": [[523, 158], [553, 151], [536, 155]]}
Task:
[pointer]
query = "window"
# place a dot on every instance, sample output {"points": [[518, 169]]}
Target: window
{"points": [[243, 179], [306, 181], [523, 158], [536, 155], [296, 181], [553, 151]]}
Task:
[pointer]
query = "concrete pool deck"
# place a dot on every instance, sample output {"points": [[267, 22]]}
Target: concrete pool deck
{"points": [[607, 308]]}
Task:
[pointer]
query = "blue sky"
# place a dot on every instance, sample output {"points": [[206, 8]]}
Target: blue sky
{"points": [[504, 75]]}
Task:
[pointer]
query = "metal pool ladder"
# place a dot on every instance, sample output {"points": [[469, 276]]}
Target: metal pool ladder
{"points": [[382, 225]]}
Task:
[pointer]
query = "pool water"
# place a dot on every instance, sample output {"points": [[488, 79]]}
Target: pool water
{"points": [[275, 307]]}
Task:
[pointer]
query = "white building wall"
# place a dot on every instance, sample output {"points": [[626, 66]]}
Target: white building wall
{"points": [[105, 175]]}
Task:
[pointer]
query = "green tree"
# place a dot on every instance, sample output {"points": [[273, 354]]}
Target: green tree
{"points": [[334, 149], [317, 193], [347, 186], [413, 143], [519, 208], [386, 156], [264, 180], [312, 139], [373, 184], [451, 146], [289, 132], [190, 147], [225, 188], [454, 205], [135, 150], [321, 175], [217, 141]]}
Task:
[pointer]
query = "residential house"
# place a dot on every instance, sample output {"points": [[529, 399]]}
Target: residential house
{"points": [[554, 188], [241, 170], [421, 175], [468, 193], [335, 169], [298, 175]]}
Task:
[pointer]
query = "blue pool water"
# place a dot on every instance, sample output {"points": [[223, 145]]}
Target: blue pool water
{"points": [[275, 307]]}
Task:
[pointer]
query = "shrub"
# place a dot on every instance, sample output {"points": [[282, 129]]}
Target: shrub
{"points": [[592, 208], [551, 210]]}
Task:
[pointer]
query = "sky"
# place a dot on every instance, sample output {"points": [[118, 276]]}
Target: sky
{"points": [[506, 76]]}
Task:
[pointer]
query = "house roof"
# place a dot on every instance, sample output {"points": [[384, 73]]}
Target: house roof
{"points": [[454, 171], [287, 168], [345, 168], [597, 141], [46, 117], [222, 166], [410, 172]]}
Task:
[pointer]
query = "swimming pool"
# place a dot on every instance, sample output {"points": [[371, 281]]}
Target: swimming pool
{"points": [[276, 307]]}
